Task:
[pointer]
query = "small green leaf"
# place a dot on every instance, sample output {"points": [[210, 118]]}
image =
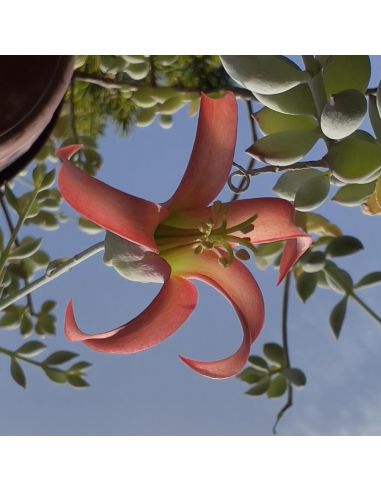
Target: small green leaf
{"points": [[368, 280], [45, 220], [343, 245], [30, 349], [25, 250], [374, 116], [258, 363], [306, 285], [145, 117], [59, 357], [171, 106], [48, 180], [316, 224], [352, 195], [26, 326], [55, 375], [339, 280], [290, 181], [270, 249], [285, 148], [76, 381], [313, 261], [343, 114], [336, 318], [353, 160], [261, 387], [11, 198], [341, 73], [11, 318], [250, 375], [17, 373], [312, 193], [274, 352], [48, 306], [264, 74], [45, 324], [278, 386], [78, 367], [295, 376], [270, 121], [296, 101], [88, 227]]}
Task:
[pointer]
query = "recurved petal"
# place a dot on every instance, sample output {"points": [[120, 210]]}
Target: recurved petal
{"points": [[130, 217], [212, 155], [238, 285], [163, 317]]}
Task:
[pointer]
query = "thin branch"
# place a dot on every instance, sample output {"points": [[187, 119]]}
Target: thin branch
{"points": [[286, 296], [243, 183], [134, 85]]}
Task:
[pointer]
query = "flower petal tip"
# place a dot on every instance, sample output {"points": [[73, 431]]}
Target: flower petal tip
{"points": [[66, 153]]}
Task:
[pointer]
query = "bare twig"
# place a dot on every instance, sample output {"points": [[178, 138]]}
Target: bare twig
{"points": [[286, 295]]}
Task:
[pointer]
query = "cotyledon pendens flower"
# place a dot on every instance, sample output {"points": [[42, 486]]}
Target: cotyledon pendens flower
{"points": [[182, 239]]}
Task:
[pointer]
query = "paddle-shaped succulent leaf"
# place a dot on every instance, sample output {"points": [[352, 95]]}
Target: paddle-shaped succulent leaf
{"points": [[343, 114], [312, 193], [285, 148], [297, 100], [290, 181], [264, 74], [270, 121], [343, 72]]}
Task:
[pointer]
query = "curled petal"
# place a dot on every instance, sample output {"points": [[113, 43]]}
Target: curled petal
{"points": [[238, 285], [127, 216], [163, 317], [212, 155]]}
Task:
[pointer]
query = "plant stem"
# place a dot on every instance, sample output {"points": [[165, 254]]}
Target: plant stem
{"points": [[286, 297], [16, 230], [15, 355], [366, 308], [52, 274]]}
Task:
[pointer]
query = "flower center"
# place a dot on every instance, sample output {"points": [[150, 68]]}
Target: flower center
{"points": [[212, 234]]}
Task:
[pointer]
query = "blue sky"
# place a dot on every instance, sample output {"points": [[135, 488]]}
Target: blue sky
{"points": [[153, 393]]}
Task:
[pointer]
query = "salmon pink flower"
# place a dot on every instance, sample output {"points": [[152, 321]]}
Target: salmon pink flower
{"points": [[184, 239]]}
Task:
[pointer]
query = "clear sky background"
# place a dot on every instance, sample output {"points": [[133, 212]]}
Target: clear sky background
{"points": [[153, 393]]}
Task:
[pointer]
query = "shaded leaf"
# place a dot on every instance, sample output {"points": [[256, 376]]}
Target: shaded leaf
{"points": [[313, 261], [270, 121], [278, 386], [312, 193], [316, 224], [306, 285], [339, 280], [258, 363], [368, 280], [295, 376], [59, 357], [337, 316], [55, 375], [352, 195], [274, 352], [296, 101], [290, 181], [32, 348], [25, 250], [341, 73], [343, 245], [250, 375], [261, 387], [76, 381], [17, 373]]}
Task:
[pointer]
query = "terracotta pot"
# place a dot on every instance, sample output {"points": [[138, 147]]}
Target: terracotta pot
{"points": [[31, 90]]}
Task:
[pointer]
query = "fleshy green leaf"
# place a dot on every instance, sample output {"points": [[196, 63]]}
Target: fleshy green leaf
{"points": [[339, 280], [343, 114], [296, 101], [337, 316], [316, 224], [264, 74], [352, 195], [258, 363], [55, 375], [369, 280], [341, 73], [88, 227], [312, 193], [76, 381], [270, 121], [290, 181], [274, 352], [343, 245], [11, 198], [59, 357], [354, 161], [295, 376], [306, 285], [284, 149], [25, 250], [261, 387], [278, 386], [250, 375], [313, 261], [30, 349], [378, 99], [374, 116], [17, 373]]}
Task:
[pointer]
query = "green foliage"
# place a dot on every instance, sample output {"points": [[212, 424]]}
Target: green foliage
{"points": [[312, 193], [306, 285], [290, 182], [296, 101], [341, 73], [270, 121], [337, 316]]}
